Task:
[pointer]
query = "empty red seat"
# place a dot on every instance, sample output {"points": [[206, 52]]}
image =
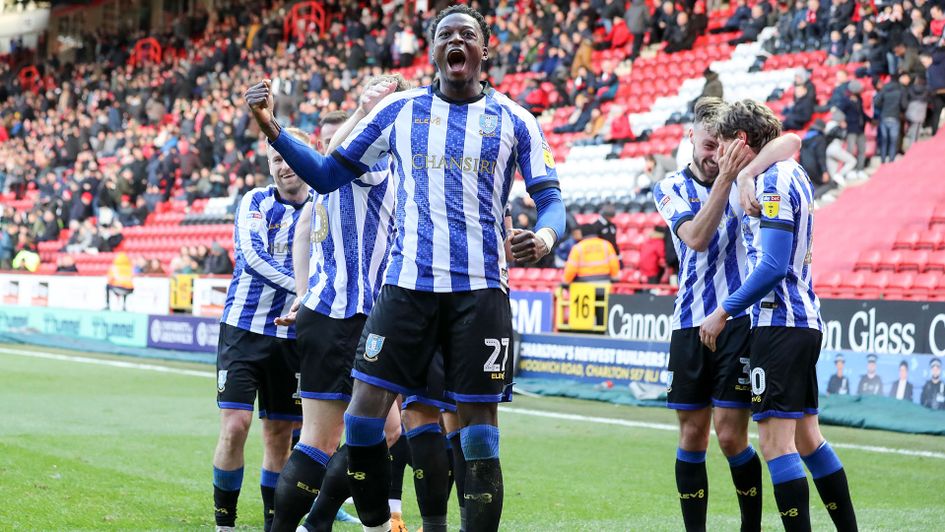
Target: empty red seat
{"points": [[889, 260], [913, 260], [899, 284], [868, 260], [936, 261], [930, 240], [876, 281], [551, 274], [926, 281]]}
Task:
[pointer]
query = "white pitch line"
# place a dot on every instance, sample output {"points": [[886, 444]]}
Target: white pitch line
{"points": [[674, 428], [509, 409], [112, 363]]}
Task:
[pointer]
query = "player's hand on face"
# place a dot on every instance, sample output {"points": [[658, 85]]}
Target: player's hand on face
{"points": [[374, 94], [259, 99], [289, 318], [732, 159], [712, 327], [527, 247]]}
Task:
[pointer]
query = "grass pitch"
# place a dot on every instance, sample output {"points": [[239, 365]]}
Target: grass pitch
{"points": [[86, 446]]}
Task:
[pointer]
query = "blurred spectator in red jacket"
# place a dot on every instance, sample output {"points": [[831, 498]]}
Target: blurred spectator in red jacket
{"points": [[653, 256]]}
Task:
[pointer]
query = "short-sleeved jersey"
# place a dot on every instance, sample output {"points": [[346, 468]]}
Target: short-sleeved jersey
{"points": [[453, 165], [351, 235], [263, 286], [786, 196], [706, 278]]}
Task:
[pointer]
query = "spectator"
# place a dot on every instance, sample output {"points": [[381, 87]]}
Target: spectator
{"points": [[638, 20], [814, 156], [120, 281], [563, 249], [605, 228], [836, 49], [917, 105], [653, 256], [407, 46], [840, 163], [856, 119], [713, 85], [662, 21], [681, 36], [934, 62], [752, 27], [153, 267], [592, 259], [50, 227], [26, 258], [581, 117], [889, 104], [605, 86], [535, 98], [734, 23], [8, 237], [218, 261], [798, 115]]}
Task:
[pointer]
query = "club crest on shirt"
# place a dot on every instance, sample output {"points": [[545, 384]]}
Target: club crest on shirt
{"points": [[488, 124], [771, 204], [221, 380], [372, 346], [319, 224]]}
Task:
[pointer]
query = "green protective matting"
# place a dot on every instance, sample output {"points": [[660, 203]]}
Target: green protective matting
{"points": [[102, 347], [869, 412]]}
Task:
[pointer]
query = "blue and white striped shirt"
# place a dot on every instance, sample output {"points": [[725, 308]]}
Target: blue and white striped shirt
{"points": [[706, 278], [263, 286], [786, 196], [352, 231], [453, 165]]}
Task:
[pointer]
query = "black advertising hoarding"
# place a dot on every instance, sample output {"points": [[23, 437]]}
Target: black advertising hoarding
{"points": [[860, 326]]}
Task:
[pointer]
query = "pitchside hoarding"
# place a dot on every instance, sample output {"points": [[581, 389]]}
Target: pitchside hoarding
{"points": [[640, 327], [183, 333], [532, 312], [120, 328]]}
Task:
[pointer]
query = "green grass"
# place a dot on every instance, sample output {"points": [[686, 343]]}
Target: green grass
{"points": [[90, 447]]}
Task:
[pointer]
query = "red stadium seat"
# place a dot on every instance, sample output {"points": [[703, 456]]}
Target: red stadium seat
{"points": [[926, 282], [936, 261], [913, 260], [932, 239], [889, 260], [899, 284], [868, 260]]}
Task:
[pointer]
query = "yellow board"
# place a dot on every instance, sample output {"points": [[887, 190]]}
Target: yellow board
{"points": [[583, 305], [182, 291]]}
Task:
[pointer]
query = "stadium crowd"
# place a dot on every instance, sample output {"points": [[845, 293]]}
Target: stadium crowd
{"points": [[105, 136]]}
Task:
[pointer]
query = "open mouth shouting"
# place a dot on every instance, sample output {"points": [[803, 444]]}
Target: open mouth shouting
{"points": [[456, 61]]}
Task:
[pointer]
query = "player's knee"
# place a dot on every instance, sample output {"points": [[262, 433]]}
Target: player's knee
{"points": [[694, 436], [732, 442], [235, 425], [417, 415], [480, 442], [277, 434]]}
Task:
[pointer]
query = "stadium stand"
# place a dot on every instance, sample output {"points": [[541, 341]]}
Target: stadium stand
{"points": [[163, 125]]}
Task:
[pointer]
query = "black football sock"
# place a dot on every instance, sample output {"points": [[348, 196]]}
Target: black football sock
{"points": [[298, 486], [226, 493], [831, 482], [459, 475], [692, 483], [368, 470], [267, 487], [332, 495], [399, 460], [484, 490], [791, 492], [746, 475], [430, 474]]}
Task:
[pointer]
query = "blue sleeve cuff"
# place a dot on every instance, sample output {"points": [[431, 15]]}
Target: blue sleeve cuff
{"points": [[324, 174], [551, 212], [776, 256]]}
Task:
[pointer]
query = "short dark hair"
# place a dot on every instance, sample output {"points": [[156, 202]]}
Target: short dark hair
{"points": [[707, 111], [760, 125], [463, 10], [333, 118]]}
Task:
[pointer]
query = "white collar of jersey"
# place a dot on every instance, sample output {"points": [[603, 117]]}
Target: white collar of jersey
{"points": [[435, 88]]}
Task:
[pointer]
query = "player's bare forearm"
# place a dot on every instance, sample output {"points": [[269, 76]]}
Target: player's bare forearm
{"points": [[779, 149], [345, 129], [301, 249]]}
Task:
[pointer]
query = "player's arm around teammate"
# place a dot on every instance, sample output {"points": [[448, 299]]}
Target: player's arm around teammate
{"points": [[786, 331]]}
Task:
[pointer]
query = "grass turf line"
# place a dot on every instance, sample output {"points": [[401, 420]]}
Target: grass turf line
{"points": [[86, 447]]}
